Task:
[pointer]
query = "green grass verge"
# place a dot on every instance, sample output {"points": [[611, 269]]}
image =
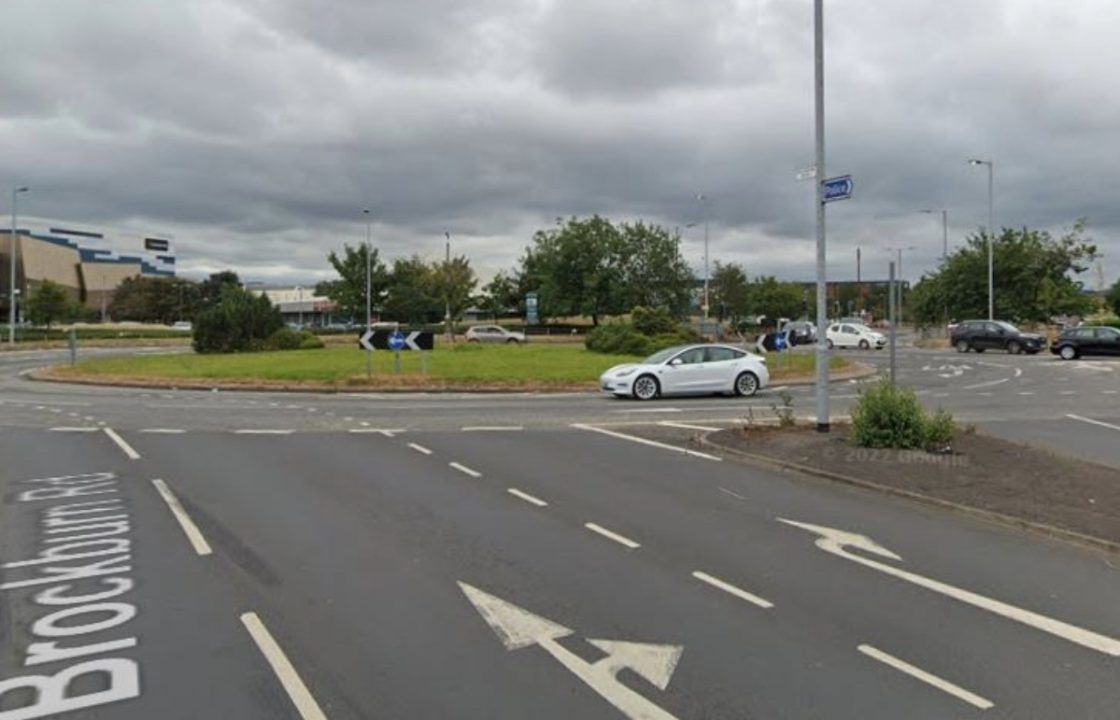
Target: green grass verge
{"points": [[464, 364]]}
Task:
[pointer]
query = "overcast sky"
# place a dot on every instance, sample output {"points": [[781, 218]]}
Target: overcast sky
{"points": [[255, 131]]}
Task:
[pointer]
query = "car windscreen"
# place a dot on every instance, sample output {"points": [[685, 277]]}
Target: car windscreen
{"points": [[1007, 326], [662, 355]]}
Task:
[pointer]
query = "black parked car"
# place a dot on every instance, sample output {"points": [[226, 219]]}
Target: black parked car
{"points": [[981, 335], [1086, 340]]}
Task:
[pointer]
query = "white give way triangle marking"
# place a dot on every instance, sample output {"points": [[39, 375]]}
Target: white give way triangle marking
{"points": [[518, 628], [837, 542]]}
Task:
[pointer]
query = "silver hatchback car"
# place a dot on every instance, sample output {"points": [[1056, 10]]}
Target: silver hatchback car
{"points": [[494, 334]]}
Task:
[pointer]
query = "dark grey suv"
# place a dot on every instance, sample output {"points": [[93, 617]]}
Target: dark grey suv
{"points": [[981, 335]]}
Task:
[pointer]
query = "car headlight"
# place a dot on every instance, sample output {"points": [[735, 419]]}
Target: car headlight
{"points": [[624, 373]]}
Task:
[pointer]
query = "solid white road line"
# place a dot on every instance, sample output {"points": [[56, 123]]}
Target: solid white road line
{"points": [[194, 535], [300, 696], [420, 449], [491, 428], [942, 685], [643, 441], [465, 469], [620, 539], [163, 431], [732, 590], [1093, 422], [686, 426], [262, 432], [74, 429], [527, 497], [125, 447]]}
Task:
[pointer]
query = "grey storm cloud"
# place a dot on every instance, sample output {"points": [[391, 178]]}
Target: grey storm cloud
{"points": [[255, 131]]}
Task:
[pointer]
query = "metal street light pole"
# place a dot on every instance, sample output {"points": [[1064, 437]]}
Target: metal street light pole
{"points": [[369, 265], [822, 287], [299, 304], [944, 231], [447, 285], [703, 199], [12, 274], [991, 233], [899, 285]]}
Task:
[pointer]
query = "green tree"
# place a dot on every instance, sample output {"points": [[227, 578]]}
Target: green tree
{"points": [[452, 282], [237, 322], [1033, 278], [776, 299], [210, 289], [348, 291], [1113, 298], [730, 291], [654, 273], [500, 295], [49, 303], [154, 299], [577, 269], [410, 296]]}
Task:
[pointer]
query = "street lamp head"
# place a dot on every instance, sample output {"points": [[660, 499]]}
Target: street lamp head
{"points": [[22, 190], [975, 161]]}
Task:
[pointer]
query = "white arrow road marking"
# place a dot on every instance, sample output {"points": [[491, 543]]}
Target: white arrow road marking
{"points": [[1093, 422], [837, 543], [928, 678], [517, 628]]}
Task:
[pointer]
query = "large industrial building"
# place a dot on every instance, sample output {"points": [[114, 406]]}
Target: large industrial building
{"points": [[88, 262]]}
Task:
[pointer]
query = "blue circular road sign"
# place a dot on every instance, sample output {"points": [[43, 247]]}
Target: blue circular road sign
{"points": [[396, 340]]}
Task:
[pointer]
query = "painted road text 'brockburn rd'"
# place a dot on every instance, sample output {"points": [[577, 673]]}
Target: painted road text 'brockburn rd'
{"points": [[81, 580]]}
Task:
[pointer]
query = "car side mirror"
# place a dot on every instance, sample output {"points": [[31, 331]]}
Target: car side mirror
{"points": [[675, 362]]}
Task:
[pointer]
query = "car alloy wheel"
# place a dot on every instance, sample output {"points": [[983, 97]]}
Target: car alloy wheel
{"points": [[645, 387], [746, 384], [1014, 348], [1068, 352], [864, 345], [962, 346]]}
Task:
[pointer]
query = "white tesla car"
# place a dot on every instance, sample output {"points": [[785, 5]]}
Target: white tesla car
{"points": [[689, 370]]}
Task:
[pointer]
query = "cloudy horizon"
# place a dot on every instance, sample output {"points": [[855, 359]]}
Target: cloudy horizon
{"points": [[254, 132]]}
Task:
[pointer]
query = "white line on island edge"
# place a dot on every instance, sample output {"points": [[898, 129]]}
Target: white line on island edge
{"points": [[300, 696], [643, 441], [620, 539], [686, 426], [124, 446], [1092, 421], [527, 497], [930, 679], [732, 590], [465, 469], [194, 535]]}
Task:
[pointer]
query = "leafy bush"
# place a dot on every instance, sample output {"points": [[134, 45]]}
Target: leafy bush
{"points": [[310, 341], [238, 322], [618, 340], [284, 339], [940, 429], [653, 321], [887, 416]]}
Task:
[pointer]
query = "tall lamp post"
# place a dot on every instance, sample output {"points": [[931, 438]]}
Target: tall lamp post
{"points": [[821, 175], [901, 281], [944, 243], [703, 200], [991, 234], [369, 273], [447, 285], [12, 274]]}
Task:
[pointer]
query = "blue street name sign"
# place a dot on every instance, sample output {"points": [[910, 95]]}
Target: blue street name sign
{"points": [[838, 188]]}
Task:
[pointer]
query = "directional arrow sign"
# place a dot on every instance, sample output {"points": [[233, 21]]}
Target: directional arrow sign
{"points": [[838, 188], [838, 542], [396, 340], [364, 340], [517, 628]]}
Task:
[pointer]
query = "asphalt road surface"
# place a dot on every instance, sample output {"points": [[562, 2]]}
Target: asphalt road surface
{"points": [[260, 555]]}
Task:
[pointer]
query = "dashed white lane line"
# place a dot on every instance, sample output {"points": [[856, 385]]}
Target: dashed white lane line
{"points": [[620, 539], [732, 493], [1027, 392], [124, 446], [74, 429], [1109, 392], [251, 431], [732, 590], [492, 428], [527, 497], [643, 441], [1068, 392], [928, 678], [420, 448], [465, 470], [687, 426], [194, 535], [1093, 422], [297, 691], [163, 431]]}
